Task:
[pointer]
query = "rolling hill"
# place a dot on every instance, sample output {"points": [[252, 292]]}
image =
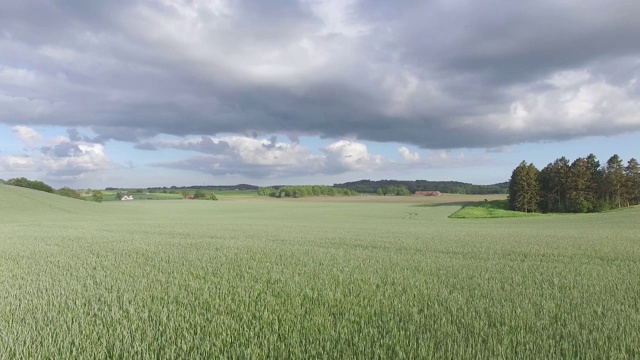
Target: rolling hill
{"points": [[17, 203]]}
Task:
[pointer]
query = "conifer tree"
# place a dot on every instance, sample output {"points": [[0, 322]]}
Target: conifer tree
{"points": [[614, 181], [524, 188], [632, 174], [553, 186], [580, 184]]}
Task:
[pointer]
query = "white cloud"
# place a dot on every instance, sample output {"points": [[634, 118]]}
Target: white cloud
{"points": [[269, 157], [454, 159], [245, 149], [572, 102], [58, 157], [247, 156], [352, 156], [17, 163], [265, 152], [437, 159], [408, 156], [76, 158], [28, 135]]}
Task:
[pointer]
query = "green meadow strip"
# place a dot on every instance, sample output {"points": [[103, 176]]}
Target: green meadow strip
{"points": [[489, 209]]}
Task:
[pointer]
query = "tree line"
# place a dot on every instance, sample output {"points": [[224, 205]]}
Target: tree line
{"points": [[451, 187], [41, 186], [580, 186], [200, 195], [30, 184], [391, 190], [304, 190]]}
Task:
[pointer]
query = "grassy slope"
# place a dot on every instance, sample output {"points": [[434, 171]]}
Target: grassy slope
{"points": [[278, 279], [21, 204]]}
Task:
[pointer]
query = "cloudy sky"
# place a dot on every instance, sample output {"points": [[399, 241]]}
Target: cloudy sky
{"points": [[186, 92]]}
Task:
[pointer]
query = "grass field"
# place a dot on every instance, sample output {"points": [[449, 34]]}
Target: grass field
{"points": [[312, 279]]}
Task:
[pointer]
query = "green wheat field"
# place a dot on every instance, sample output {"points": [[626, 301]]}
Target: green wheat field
{"points": [[269, 278]]}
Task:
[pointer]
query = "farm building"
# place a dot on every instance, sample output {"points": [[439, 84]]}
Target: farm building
{"points": [[428, 193], [127, 198], [188, 197]]}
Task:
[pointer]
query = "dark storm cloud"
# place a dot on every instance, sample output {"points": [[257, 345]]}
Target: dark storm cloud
{"points": [[433, 74]]}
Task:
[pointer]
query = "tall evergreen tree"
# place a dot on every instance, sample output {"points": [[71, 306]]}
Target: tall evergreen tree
{"points": [[632, 174], [533, 194], [597, 183], [524, 192], [554, 193], [614, 181], [580, 187]]}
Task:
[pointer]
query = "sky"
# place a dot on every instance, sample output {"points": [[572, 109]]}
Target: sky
{"points": [[142, 93]]}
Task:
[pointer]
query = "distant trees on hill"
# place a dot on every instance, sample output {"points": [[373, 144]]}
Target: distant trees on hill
{"points": [[97, 196], [201, 195], [41, 186], [580, 186], [65, 191], [30, 184], [302, 191], [391, 190], [451, 187]]}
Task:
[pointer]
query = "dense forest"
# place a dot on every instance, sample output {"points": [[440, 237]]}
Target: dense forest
{"points": [[382, 187], [581, 186]]}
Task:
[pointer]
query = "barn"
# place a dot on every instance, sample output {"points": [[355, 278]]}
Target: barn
{"points": [[127, 198]]}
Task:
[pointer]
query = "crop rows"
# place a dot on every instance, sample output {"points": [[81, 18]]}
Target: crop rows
{"points": [[317, 280]]}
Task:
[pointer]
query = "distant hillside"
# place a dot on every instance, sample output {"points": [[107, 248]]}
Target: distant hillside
{"points": [[361, 186], [18, 203], [452, 187]]}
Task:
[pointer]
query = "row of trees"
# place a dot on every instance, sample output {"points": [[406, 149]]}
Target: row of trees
{"points": [[68, 192], [580, 186], [200, 195], [451, 187], [393, 191], [306, 190], [30, 184], [41, 186]]}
